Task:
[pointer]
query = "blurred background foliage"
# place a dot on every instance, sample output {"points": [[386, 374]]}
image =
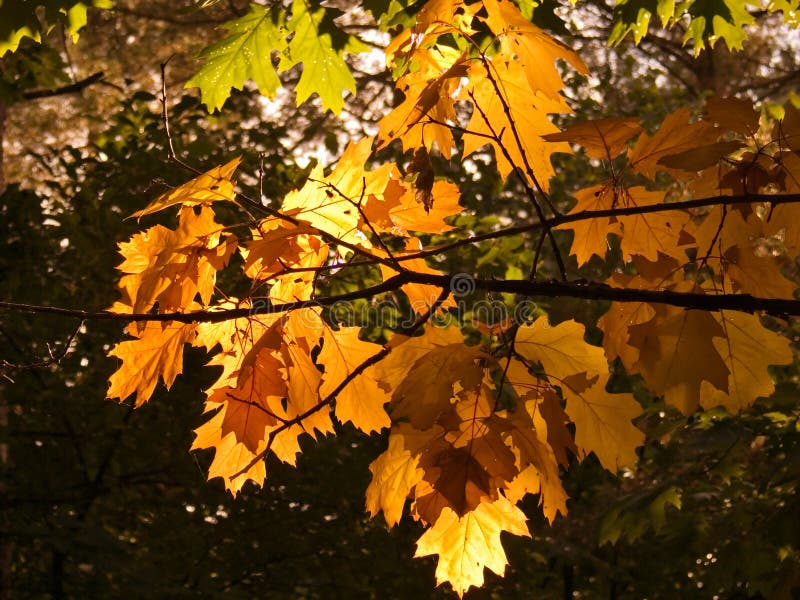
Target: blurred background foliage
{"points": [[99, 501]]}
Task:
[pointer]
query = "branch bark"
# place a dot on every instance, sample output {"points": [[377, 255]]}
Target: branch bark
{"points": [[530, 289]]}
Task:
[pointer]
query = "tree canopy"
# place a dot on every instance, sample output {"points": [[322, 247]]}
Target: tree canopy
{"points": [[513, 308]]}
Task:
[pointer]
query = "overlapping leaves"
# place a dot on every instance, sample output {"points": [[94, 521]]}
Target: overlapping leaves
{"points": [[472, 427]]}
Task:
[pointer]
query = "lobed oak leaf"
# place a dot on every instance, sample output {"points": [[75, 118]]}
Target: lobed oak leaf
{"points": [[468, 543], [332, 204], [669, 346], [601, 138], [396, 471], [273, 248], [249, 409], [230, 456], [602, 420], [405, 351], [536, 51], [560, 349], [729, 243], [424, 393], [512, 118], [676, 135], [748, 348], [246, 416], [172, 267], [644, 235], [421, 119], [615, 325], [407, 213], [734, 114], [361, 401], [303, 380], [654, 234], [537, 465], [157, 352], [211, 186], [590, 237], [421, 297]]}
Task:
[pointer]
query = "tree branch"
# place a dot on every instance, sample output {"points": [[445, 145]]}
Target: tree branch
{"points": [[523, 287], [72, 88]]}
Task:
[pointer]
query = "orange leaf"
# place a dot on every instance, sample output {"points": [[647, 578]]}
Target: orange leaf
{"points": [[172, 267], [602, 138], [156, 352]]}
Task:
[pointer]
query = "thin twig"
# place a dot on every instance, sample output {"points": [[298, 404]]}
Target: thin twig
{"points": [[330, 398]]}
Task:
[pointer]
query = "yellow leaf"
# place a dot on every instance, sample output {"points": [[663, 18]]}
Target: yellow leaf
{"points": [[411, 215], [748, 348], [536, 461], [211, 186], [428, 90], [602, 420], [157, 352], [425, 392], [560, 349], [518, 130], [331, 204], [650, 234], [421, 297], [405, 351], [361, 401], [395, 473], [469, 543], [590, 234], [536, 51]]}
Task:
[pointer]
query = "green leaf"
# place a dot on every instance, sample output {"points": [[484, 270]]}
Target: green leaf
{"points": [[245, 54], [717, 19], [634, 515], [320, 46], [20, 19]]}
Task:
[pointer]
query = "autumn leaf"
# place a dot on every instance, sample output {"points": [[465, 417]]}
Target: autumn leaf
{"points": [[603, 421], [156, 353], [332, 204], [676, 135], [469, 543], [211, 186], [748, 348], [361, 401], [172, 267], [394, 474], [669, 345], [602, 138]]}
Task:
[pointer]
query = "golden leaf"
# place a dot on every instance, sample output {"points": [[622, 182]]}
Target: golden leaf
{"points": [[211, 186], [469, 543], [157, 352]]}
